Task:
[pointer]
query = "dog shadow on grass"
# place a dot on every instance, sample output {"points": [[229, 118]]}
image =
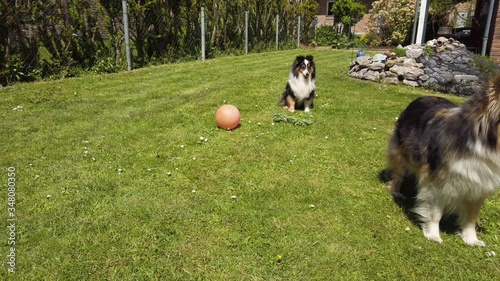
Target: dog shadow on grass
{"points": [[406, 200]]}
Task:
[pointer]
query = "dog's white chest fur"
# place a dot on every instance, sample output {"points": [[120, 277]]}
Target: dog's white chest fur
{"points": [[475, 178], [301, 87]]}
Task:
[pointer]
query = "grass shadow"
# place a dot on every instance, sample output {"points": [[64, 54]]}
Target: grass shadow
{"points": [[407, 199]]}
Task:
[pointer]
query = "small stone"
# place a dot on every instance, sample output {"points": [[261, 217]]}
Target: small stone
{"points": [[379, 58], [390, 63], [410, 83]]}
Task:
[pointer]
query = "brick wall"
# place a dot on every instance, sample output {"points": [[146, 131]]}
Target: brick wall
{"points": [[495, 45]]}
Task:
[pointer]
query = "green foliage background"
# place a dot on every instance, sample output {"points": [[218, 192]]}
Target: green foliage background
{"points": [[54, 38], [348, 12]]}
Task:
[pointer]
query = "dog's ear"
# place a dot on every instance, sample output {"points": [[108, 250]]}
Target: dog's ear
{"points": [[299, 58], [309, 58]]}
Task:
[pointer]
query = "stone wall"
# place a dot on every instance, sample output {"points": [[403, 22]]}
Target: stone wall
{"points": [[445, 65]]}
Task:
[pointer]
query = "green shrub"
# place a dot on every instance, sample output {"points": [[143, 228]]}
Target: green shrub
{"points": [[391, 21], [104, 65], [400, 52], [486, 65], [13, 71], [325, 35], [342, 42], [428, 50], [371, 39]]}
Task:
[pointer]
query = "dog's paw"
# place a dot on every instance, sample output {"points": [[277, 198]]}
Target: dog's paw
{"points": [[469, 236], [436, 239], [477, 243], [473, 242], [433, 237], [291, 109]]}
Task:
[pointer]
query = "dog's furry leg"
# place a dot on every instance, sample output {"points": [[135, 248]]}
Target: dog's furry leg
{"points": [[398, 173], [398, 169], [468, 216], [431, 210], [290, 101], [308, 103], [307, 108], [395, 183]]}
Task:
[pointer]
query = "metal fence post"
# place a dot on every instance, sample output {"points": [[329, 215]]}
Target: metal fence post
{"points": [[127, 36], [415, 20], [277, 29], [298, 34], [202, 33], [246, 32]]}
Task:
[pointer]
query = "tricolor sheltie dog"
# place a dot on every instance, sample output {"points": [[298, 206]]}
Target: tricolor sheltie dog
{"points": [[454, 152], [299, 92]]}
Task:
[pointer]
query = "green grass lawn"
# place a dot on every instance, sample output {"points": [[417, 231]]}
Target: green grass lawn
{"points": [[127, 177]]}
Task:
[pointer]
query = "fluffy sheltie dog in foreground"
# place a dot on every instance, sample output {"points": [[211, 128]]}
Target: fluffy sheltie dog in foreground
{"points": [[299, 92], [454, 152]]}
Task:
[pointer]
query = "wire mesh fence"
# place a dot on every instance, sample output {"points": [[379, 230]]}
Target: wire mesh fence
{"points": [[60, 38]]}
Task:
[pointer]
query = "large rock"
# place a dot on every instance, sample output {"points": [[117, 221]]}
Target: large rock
{"points": [[407, 72], [372, 75], [414, 53], [390, 80], [376, 66], [364, 61]]}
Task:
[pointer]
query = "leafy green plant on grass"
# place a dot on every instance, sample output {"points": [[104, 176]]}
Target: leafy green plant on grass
{"points": [[280, 117], [126, 176]]}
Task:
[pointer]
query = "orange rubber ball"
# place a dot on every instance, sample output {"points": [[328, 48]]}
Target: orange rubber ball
{"points": [[227, 117]]}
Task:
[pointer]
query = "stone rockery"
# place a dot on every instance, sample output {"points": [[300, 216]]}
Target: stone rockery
{"points": [[442, 64]]}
